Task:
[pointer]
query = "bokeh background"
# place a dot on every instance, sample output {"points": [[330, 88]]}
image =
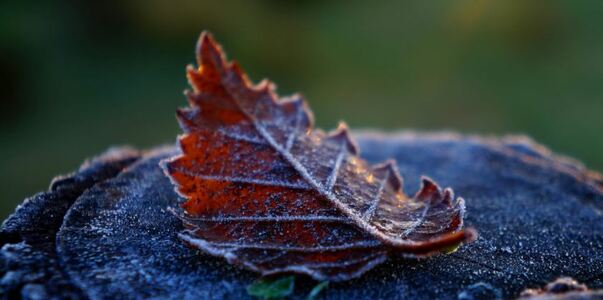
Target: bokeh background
{"points": [[79, 76]]}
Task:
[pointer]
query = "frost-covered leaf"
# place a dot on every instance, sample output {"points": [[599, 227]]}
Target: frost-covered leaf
{"points": [[267, 191]]}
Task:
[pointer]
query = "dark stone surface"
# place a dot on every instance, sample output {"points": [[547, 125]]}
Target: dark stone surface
{"points": [[118, 239], [538, 215], [30, 266]]}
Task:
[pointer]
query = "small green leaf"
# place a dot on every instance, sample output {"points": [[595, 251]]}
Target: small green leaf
{"points": [[451, 249], [316, 290], [276, 289]]}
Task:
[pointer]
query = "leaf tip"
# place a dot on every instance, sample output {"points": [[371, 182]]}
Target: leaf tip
{"points": [[209, 51], [448, 196], [389, 168], [429, 190], [341, 136], [186, 118], [298, 108]]}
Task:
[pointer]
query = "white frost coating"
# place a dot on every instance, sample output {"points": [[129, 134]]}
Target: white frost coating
{"points": [[242, 137], [243, 180], [368, 214], [273, 219], [312, 270], [293, 135], [416, 223], [206, 246], [394, 241], [163, 164], [318, 275], [282, 140], [344, 246], [270, 258], [461, 204], [333, 176], [320, 188]]}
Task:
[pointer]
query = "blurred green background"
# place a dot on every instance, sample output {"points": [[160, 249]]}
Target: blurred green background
{"points": [[79, 76]]}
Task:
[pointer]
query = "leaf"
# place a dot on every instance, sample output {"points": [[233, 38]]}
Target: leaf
{"points": [[316, 290], [276, 289], [267, 191]]}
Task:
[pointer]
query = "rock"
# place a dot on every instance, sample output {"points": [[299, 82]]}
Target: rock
{"points": [[563, 288], [538, 216], [30, 266]]}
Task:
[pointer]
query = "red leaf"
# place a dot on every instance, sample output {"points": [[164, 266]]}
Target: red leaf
{"points": [[267, 191]]}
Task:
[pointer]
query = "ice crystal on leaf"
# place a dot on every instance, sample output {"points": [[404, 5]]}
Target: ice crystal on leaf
{"points": [[267, 191]]}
